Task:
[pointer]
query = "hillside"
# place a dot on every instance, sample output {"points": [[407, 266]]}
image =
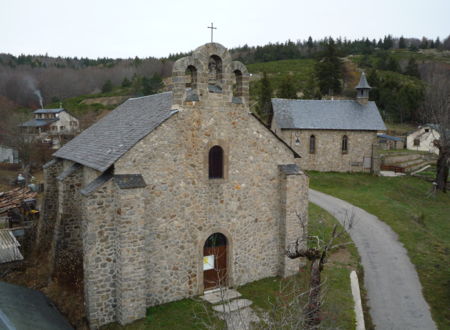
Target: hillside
{"points": [[90, 88]]}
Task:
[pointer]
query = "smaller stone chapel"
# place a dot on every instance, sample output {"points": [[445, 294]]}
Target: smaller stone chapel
{"points": [[175, 193]]}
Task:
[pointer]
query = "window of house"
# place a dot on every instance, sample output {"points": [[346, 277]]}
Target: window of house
{"points": [[416, 142], [61, 128], [427, 130], [344, 144], [312, 144], [215, 163]]}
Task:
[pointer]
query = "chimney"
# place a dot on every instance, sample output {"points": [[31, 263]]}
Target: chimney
{"points": [[362, 90]]}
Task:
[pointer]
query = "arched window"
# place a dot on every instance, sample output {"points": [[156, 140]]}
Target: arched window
{"points": [[344, 144], [215, 74], [215, 162], [312, 144], [237, 86], [191, 77]]}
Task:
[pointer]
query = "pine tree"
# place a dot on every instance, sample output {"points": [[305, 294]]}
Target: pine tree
{"points": [[264, 98], [401, 43], [126, 82], [152, 85], [328, 70], [412, 68], [287, 88], [437, 43], [311, 90], [107, 86], [392, 64], [310, 43], [424, 43]]}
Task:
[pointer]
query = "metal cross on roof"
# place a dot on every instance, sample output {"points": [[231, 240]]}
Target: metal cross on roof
{"points": [[212, 29]]}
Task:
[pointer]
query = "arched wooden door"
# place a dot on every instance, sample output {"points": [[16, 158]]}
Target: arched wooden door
{"points": [[215, 261]]}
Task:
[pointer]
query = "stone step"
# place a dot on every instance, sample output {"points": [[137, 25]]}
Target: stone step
{"points": [[221, 295], [232, 306]]}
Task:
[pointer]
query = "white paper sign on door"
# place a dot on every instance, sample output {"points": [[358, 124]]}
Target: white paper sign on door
{"points": [[208, 262]]}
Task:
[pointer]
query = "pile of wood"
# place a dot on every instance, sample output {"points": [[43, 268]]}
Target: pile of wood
{"points": [[14, 198]]}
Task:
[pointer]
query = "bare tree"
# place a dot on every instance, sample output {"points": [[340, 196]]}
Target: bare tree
{"points": [[317, 254], [436, 110]]}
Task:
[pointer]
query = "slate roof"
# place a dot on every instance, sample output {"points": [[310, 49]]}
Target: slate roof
{"points": [[38, 122], [363, 82], [49, 110], [27, 309], [327, 114], [107, 140], [129, 181]]}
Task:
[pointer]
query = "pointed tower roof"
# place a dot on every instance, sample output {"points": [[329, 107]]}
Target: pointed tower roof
{"points": [[363, 84]]}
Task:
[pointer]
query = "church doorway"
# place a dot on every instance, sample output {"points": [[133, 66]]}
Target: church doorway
{"points": [[215, 261]]}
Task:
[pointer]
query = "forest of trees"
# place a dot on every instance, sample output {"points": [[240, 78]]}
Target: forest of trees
{"points": [[23, 77]]}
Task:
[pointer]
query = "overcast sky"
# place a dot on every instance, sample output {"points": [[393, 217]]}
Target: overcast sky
{"points": [[126, 28]]}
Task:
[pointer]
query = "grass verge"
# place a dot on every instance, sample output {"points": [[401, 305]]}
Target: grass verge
{"points": [[422, 223]]}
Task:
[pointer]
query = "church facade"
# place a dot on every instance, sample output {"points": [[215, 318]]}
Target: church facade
{"points": [[175, 193], [332, 135]]}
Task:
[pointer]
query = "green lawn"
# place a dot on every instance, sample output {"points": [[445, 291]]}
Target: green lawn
{"points": [[422, 223], [271, 295]]}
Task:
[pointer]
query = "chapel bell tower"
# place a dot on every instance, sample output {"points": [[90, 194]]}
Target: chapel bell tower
{"points": [[210, 74], [362, 90]]}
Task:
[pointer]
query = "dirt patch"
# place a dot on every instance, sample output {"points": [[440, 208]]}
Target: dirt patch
{"points": [[341, 257]]}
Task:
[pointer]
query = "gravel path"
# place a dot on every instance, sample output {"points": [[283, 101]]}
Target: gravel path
{"points": [[393, 287]]}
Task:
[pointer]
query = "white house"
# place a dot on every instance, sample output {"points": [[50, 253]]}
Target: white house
{"points": [[48, 124], [422, 139]]}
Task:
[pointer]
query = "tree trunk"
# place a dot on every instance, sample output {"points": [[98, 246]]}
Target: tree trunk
{"points": [[442, 171], [312, 310]]}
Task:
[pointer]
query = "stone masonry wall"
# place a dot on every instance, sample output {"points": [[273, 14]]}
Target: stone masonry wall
{"points": [[99, 253], [130, 266], [184, 207], [49, 209], [67, 240], [293, 225], [328, 155], [146, 244]]}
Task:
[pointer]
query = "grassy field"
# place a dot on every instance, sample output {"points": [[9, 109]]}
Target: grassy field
{"points": [[422, 223], [270, 295]]}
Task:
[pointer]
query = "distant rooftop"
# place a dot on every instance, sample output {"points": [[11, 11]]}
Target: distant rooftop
{"points": [[49, 110], [39, 122], [327, 114]]}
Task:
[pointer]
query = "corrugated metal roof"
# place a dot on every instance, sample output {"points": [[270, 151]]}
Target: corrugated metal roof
{"points": [[39, 122], [49, 110], [9, 247], [106, 141], [327, 114], [390, 137]]}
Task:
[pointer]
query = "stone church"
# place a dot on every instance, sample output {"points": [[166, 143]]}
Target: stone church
{"points": [[175, 193], [332, 135]]}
